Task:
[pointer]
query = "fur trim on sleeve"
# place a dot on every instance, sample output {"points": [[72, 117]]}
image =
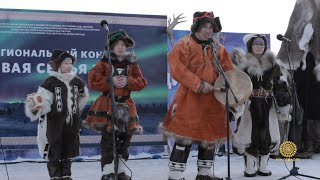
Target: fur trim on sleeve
{"points": [[238, 110], [238, 57], [284, 113], [33, 115], [285, 77], [316, 72], [138, 130], [47, 98]]}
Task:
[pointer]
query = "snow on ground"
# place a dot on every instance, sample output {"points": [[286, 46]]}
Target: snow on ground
{"points": [[157, 169]]}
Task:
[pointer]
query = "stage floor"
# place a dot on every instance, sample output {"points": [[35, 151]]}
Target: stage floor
{"points": [[157, 169]]}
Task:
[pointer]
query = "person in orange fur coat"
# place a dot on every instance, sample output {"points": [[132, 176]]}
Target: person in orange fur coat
{"points": [[195, 115]]}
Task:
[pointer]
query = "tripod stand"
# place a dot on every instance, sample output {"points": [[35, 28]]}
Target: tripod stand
{"points": [[294, 170], [227, 106], [113, 107]]}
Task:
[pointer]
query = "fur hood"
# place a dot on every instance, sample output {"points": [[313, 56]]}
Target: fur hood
{"points": [[255, 66]]}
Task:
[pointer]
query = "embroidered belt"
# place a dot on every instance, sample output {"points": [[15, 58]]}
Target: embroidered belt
{"points": [[120, 99], [261, 93]]}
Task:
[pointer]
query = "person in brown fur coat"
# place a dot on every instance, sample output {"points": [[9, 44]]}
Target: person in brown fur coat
{"points": [[257, 132], [127, 77]]}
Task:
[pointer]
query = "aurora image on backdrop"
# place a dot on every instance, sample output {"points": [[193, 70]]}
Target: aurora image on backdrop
{"points": [[27, 38]]}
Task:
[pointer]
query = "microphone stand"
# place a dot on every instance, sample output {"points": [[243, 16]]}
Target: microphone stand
{"points": [[227, 106], [112, 110], [294, 171]]}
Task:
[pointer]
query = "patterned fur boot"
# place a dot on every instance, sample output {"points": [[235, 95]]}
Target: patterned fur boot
{"points": [[250, 165], [263, 163], [178, 161], [205, 163]]}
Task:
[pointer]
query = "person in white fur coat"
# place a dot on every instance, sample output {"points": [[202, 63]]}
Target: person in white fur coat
{"points": [[58, 104], [257, 133]]}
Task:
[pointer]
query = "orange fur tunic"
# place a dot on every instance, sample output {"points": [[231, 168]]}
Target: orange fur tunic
{"points": [[192, 115]]}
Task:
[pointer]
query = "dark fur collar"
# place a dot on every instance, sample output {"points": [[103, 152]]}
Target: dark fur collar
{"points": [[203, 43], [129, 57]]}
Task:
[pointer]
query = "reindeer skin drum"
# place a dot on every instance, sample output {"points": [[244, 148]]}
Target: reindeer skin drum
{"points": [[240, 83]]}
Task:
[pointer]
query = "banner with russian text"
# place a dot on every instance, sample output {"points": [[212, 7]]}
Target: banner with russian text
{"points": [[27, 38]]}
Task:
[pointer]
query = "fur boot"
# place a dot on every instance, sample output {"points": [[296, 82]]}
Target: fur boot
{"points": [[205, 169], [176, 170], [107, 163], [66, 169], [263, 163], [250, 165], [123, 176], [108, 169], [66, 178], [178, 161], [202, 177], [122, 170], [54, 169], [177, 179], [205, 163], [108, 176]]}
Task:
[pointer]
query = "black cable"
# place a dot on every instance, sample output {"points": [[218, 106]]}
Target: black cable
{"points": [[127, 167], [17, 162], [285, 164], [4, 158], [78, 160]]}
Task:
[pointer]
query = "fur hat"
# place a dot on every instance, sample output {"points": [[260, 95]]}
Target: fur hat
{"points": [[120, 35], [200, 18], [58, 55], [249, 38]]}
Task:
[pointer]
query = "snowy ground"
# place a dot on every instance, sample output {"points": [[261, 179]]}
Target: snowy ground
{"points": [[157, 169]]}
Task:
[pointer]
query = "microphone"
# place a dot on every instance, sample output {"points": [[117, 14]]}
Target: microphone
{"points": [[210, 40], [282, 38], [104, 24], [212, 44]]}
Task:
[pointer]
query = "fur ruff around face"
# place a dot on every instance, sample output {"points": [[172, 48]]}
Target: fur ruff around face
{"points": [[128, 56], [257, 67], [65, 77]]}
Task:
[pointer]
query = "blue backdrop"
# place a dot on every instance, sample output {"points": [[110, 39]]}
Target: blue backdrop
{"points": [[27, 38]]}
